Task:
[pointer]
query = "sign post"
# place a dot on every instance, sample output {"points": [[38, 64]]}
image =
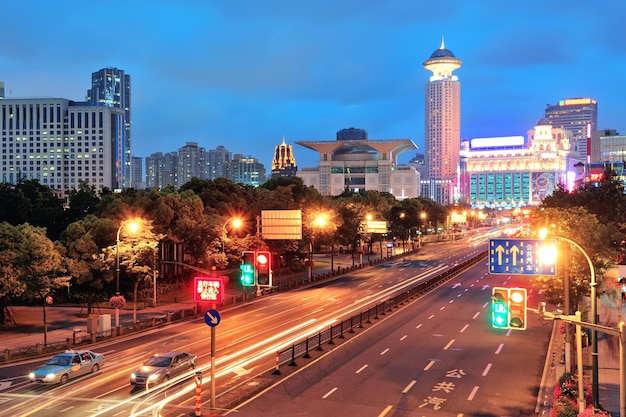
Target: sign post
{"points": [[212, 319]]}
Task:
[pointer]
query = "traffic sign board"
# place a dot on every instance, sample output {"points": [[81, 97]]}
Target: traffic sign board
{"points": [[208, 289], [212, 318], [521, 256]]}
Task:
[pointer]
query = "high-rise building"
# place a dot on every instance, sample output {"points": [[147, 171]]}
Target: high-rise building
{"points": [[573, 114], [110, 87], [284, 163], [60, 143], [162, 170], [136, 173], [442, 138], [247, 170], [219, 163], [192, 162]]}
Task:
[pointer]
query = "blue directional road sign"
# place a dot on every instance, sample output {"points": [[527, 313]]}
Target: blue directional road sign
{"points": [[521, 256], [212, 318]]}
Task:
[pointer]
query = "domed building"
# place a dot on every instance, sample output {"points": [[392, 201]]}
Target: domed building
{"points": [[353, 162], [442, 130]]}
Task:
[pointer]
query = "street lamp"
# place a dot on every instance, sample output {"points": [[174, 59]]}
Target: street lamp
{"points": [[133, 226], [594, 320], [319, 222], [236, 223]]}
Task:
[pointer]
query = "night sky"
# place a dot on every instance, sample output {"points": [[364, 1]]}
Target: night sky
{"points": [[246, 73]]}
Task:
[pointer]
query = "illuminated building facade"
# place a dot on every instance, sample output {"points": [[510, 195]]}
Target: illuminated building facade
{"points": [[355, 163], [442, 136], [60, 143], [284, 163], [247, 170], [573, 114], [110, 87], [510, 172]]}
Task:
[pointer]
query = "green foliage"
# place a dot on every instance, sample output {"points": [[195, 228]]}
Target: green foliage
{"points": [[582, 227]]}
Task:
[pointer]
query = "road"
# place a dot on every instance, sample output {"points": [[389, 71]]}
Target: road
{"points": [[249, 336], [438, 356]]}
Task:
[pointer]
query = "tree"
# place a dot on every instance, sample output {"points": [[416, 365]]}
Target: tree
{"points": [[83, 241], [11, 241], [42, 269], [137, 255], [582, 227]]}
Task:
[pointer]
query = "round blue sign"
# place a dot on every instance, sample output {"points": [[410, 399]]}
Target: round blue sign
{"points": [[212, 318]]}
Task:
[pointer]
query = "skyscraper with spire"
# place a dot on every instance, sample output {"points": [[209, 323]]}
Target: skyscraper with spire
{"points": [[110, 87], [442, 136], [284, 163]]}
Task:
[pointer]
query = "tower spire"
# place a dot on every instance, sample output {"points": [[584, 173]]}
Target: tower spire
{"points": [[442, 43]]}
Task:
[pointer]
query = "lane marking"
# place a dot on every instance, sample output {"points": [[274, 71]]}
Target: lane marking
{"points": [[499, 348], [403, 337], [476, 315], [418, 326], [471, 396], [408, 387], [464, 328], [361, 368], [431, 363], [487, 368], [384, 351], [329, 393], [385, 411], [448, 345]]}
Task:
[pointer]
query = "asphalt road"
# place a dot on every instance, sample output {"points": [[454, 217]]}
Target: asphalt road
{"points": [[247, 340], [438, 356]]}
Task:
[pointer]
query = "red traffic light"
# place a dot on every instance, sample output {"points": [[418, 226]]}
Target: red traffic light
{"points": [[262, 258]]}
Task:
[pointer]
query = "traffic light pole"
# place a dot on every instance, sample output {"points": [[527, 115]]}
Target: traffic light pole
{"points": [[620, 332]]}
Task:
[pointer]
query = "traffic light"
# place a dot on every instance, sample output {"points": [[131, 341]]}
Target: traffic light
{"points": [[247, 269], [263, 266], [500, 307], [517, 308]]}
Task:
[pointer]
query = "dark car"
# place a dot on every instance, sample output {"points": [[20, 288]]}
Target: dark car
{"points": [[69, 364], [162, 367]]}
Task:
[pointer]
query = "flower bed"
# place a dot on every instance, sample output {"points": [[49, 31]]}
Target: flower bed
{"points": [[565, 399]]}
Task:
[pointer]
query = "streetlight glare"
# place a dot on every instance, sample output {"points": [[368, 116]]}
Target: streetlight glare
{"points": [[547, 254], [133, 226], [543, 233], [320, 221]]}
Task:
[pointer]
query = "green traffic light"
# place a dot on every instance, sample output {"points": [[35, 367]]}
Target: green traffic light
{"points": [[247, 274], [500, 308]]}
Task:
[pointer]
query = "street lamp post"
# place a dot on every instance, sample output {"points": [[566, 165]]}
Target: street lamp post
{"points": [[320, 221], [133, 227], [594, 313], [236, 224]]}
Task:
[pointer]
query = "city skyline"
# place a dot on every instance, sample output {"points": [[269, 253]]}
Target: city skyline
{"points": [[245, 74]]}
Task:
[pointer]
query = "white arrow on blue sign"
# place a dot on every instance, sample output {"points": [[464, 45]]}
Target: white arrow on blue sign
{"points": [[212, 318]]}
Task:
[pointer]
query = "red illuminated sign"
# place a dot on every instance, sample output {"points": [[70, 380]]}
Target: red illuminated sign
{"points": [[208, 289]]}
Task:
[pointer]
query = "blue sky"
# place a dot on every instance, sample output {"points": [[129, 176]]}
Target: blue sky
{"points": [[246, 73]]}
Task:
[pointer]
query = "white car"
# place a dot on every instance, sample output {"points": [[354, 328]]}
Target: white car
{"points": [[64, 366]]}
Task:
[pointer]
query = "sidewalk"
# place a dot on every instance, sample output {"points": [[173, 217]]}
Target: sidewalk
{"points": [[608, 363], [69, 322]]}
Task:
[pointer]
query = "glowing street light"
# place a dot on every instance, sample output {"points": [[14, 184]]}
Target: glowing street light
{"points": [[319, 222], [236, 224], [594, 314], [133, 226]]}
